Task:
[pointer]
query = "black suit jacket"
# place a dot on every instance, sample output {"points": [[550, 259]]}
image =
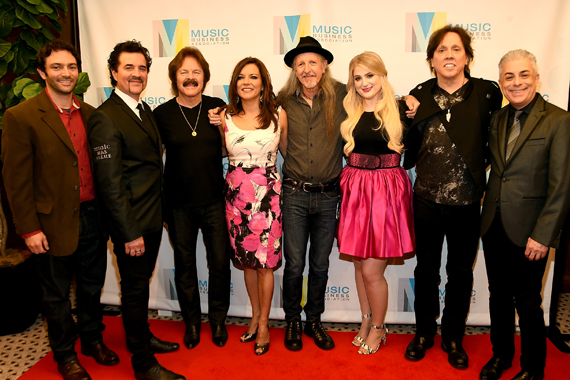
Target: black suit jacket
{"points": [[128, 169], [468, 127], [533, 186]]}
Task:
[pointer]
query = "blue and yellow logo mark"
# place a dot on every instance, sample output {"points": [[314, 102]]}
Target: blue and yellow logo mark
{"points": [[103, 94], [420, 26], [221, 91], [406, 294], [287, 30], [169, 36]]}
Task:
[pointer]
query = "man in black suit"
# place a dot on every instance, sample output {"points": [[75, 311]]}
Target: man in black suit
{"points": [[447, 145], [128, 170], [523, 213]]}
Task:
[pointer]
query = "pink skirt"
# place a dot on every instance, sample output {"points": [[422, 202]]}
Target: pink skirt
{"points": [[376, 216]]}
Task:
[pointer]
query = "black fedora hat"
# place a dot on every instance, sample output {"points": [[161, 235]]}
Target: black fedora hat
{"points": [[307, 45]]}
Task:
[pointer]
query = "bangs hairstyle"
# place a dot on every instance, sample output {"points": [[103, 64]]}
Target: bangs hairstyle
{"points": [[385, 110], [132, 46], [52, 46], [438, 36], [176, 63], [268, 105]]}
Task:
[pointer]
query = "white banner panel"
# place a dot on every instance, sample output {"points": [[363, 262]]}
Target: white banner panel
{"points": [[227, 31]]}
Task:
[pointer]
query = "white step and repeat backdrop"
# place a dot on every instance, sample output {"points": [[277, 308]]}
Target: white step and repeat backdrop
{"points": [[227, 31]]}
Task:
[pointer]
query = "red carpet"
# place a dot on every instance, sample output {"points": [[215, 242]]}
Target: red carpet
{"points": [[236, 360]]}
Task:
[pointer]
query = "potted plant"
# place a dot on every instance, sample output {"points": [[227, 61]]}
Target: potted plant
{"points": [[25, 26]]}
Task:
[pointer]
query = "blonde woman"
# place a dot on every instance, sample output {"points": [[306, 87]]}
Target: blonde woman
{"points": [[376, 220]]}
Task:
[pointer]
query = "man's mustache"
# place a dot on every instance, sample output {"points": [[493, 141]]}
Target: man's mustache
{"points": [[190, 82]]}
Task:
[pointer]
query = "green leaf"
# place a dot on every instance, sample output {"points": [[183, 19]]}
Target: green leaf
{"points": [[33, 40], [20, 86], [56, 25], [17, 23], [21, 57], [27, 18], [54, 15], [4, 91], [6, 21], [4, 48], [3, 68], [29, 7], [83, 83], [46, 32], [44, 8], [11, 100], [8, 57], [60, 4], [34, 2], [32, 90]]}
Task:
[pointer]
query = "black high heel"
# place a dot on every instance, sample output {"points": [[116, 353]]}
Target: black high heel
{"points": [[263, 346], [247, 337]]}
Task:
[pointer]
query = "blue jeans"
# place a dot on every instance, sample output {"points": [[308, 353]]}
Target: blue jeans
{"points": [[307, 216]]}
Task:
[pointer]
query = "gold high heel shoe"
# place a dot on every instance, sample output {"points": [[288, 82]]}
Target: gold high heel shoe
{"points": [[358, 340], [366, 349]]}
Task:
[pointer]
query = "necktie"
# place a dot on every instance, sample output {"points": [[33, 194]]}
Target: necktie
{"points": [[146, 122], [514, 134]]}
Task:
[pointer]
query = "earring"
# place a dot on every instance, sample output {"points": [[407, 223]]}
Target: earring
{"points": [[238, 99], [261, 97]]}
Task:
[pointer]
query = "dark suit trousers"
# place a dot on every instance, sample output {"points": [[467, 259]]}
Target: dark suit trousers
{"points": [[183, 226], [515, 283], [136, 272], [460, 225], [89, 264]]}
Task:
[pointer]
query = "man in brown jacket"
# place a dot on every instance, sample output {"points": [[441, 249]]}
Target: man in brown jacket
{"points": [[48, 180]]}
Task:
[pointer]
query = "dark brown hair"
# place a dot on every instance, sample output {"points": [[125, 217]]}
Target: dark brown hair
{"points": [[438, 36], [55, 45], [174, 66], [132, 46], [268, 104]]}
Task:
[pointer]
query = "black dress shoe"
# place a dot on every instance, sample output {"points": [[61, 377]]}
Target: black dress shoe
{"points": [[416, 350], [101, 353], [219, 335], [525, 375], [494, 368], [316, 331], [73, 370], [192, 336], [293, 341], [161, 346], [456, 355], [158, 372]]}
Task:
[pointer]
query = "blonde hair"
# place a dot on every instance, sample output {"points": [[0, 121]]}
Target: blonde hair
{"points": [[385, 111]]}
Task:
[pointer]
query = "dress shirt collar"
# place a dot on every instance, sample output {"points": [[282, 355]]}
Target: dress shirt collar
{"points": [[132, 103]]}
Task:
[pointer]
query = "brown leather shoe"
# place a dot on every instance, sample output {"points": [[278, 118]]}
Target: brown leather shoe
{"points": [[158, 372], [101, 353], [73, 370]]}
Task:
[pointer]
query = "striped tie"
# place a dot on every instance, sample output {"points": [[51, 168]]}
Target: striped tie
{"points": [[514, 134]]}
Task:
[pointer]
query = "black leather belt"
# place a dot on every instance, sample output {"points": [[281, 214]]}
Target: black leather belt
{"points": [[309, 187]]}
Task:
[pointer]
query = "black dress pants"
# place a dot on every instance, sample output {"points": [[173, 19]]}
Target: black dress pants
{"points": [[183, 226], [136, 272], [515, 283], [460, 225], [89, 264]]}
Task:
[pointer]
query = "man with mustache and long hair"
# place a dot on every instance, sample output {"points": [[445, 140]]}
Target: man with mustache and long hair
{"points": [[194, 193], [127, 152]]}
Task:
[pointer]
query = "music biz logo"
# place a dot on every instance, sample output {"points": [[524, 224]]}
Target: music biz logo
{"points": [[287, 30], [337, 293], [420, 26], [103, 94], [169, 36], [477, 30]]}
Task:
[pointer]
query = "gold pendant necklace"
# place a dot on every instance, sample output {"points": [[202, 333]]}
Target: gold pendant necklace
{"points": [[190, 125]]}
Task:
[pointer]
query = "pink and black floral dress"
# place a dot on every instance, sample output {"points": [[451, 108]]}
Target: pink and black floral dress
{"points": [[253, 196]]}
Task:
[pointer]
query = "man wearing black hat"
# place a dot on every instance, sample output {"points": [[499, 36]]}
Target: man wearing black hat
{"points": [[313, 161]]}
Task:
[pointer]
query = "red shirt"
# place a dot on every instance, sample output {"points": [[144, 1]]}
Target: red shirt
{"points": [[73, 122]]}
